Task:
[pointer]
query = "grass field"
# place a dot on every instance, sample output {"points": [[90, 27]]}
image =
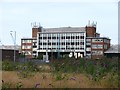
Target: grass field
{"points": [[61, 74], [47, 80]]}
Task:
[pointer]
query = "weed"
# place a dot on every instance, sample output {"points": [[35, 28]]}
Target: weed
{"points": [[18, 85], [6, 85]]}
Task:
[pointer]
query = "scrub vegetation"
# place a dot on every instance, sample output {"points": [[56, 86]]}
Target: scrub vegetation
{"points": [[67, 73]]}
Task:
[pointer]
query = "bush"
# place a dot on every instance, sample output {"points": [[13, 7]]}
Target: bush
{"points": [[8, 65], [94, 68]]}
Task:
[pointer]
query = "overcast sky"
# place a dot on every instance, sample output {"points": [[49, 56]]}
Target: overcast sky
{"points": [[17, 15]]}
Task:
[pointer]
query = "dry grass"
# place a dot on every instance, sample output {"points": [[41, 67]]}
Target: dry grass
{"points": [[46, 80]]}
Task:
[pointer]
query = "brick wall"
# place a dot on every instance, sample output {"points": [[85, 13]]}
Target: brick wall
{"points": [[90, 31], [34, 32]]}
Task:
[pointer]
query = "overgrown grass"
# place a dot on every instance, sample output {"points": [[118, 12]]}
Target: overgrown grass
{"points": [[94, 69], [104, 70]]}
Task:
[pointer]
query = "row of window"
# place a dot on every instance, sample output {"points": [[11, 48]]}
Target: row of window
{"points": [[63, 34], [61, 48], [97, 46], [26, 41], [26, 47], [97, 52], [97, 40], [63, 37], [63, 43]]}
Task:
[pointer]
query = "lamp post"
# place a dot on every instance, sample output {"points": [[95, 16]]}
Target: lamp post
{"points": [[14, 40], [1, 44]]}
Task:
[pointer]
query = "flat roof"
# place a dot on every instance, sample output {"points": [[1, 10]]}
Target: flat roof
{"points": [[9, 47], [99, 37], [28, 39], [63, 30], [113, 49]]}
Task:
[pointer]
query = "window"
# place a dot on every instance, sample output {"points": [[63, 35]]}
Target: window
{"points": [[97, 52], [81, 43], [97, 46], [40, 37], [88, 52], [44, 43], [49, 37], [40, 48], [97, 40], [44, 37], [82, 37], [53, 37], [68, 37], [62, 48], [82, 48], [72, 37], [26, 47], [63, 37], [88, 45], [77, 43], [88, 40], [34, 52], [53, 43], [40, 43], [100, 46], [72, 43], [63, 43], [77, 37], [49, 43], [34, 46], [67, 43]]}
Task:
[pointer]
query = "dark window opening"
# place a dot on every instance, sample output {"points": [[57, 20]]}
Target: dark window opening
{"points": [[72, 43], [81, 43], [34, 46], [40, 37], [88, 52], [82, 37], [53, 37], [40, 43], [34, 52], [53, 43], [44, 43], [49, 37], [44, 37], [68, 37]]}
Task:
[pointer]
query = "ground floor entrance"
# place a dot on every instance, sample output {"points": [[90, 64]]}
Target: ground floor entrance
{"points": [[56, 55]]}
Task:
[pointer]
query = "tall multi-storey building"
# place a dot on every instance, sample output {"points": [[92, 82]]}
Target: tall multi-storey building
{"points": [[77, 41]]}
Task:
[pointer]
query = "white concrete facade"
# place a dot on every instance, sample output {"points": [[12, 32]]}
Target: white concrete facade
{"points": [[62, 40]]}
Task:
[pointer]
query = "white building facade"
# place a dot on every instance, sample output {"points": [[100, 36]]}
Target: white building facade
{"points": [[61, 40]]}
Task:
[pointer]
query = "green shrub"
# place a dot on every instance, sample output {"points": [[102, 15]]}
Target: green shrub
{"points": [[8, 65], [18, 85], [6, 86], [58, 76]]}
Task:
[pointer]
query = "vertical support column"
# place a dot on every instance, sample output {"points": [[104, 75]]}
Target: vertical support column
{"points": [[58, 45], [47, 48], [85, 44]]}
